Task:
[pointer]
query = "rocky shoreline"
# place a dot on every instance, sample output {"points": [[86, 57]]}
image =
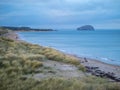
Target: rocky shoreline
{"points": [[101, 69]]}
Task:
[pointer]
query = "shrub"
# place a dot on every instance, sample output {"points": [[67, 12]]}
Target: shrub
{"points": [[34, 57], [81, 67], [36, 64], [56, 55], [5, 64]]}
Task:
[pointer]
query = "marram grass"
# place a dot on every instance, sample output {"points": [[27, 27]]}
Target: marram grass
{"points": [[19, 58]]}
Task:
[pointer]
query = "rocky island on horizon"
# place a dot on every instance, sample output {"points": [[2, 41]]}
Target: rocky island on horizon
{"points": [[86, 27]]}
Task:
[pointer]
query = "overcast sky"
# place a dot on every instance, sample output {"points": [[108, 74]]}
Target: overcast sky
{"points": [[60, 13]]}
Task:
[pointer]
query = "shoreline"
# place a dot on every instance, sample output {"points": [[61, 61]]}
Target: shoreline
{"points": [[101, 66], [87, 62], [94, 59]]}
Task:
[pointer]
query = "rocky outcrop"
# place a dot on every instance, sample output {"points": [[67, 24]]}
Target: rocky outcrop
{"points": [[86, 27]]}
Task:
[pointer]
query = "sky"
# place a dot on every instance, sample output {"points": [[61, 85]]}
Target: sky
{"points": [[59, 14]]}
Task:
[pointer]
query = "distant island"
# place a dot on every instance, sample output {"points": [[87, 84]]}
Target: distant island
{"points": [[24, 28], [86, 27]]}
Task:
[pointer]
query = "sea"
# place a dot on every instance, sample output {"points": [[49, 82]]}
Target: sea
{"points": [[102, 45]]}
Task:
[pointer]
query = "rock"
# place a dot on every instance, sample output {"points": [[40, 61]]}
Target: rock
{"points": [[117, 79], [85, 59], [110, 75], [99, 73], [86, 27]]}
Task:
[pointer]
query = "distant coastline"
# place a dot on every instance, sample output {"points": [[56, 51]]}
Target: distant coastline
{"points": [[24, 29]]}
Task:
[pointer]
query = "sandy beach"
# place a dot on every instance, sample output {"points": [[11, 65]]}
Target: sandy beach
{"points": [[92, 65]]}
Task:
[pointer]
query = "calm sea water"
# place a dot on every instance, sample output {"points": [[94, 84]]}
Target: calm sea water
{"points": [[103, 45]]}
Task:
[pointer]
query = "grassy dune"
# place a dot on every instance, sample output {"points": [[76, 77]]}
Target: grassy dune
{"points": [[19, 58], [24, 55]]}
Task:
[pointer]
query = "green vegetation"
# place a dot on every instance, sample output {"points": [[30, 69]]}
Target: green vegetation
{"points": [[90, 83], [3, 31], [53, 54], [17, 59], [28, 56], [14, 82]]}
